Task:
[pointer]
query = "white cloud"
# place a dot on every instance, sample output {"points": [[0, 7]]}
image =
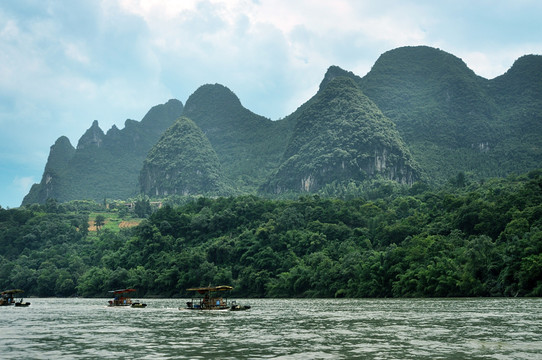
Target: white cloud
{"points": [[495, 62], [76, 52], [63, 66], [23, 184]]}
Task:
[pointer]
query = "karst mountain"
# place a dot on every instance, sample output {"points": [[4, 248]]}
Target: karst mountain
{"points": [[420, 114]]}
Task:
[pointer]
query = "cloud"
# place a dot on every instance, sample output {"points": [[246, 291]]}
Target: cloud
{"points": [[23, 184], [55, 77], [61, 67]]}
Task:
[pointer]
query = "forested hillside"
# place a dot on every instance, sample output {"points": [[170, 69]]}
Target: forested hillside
{"points": [[455, 121], [182, 163], [103, 165], [469, 239], [518, 96], [249, 146], [419, 114], [341, 136]]}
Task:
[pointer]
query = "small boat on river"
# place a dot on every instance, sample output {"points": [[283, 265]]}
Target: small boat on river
{"points": [[212, 300], [7, 298], [120, 299]]}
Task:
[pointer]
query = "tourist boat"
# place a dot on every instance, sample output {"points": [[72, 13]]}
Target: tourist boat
{"points": [[120, 299], [212, 300], [7, 298], [20, 303]]}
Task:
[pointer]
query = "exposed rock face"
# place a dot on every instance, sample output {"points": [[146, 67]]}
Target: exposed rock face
{"points": [[182, 163], [341, 136]]}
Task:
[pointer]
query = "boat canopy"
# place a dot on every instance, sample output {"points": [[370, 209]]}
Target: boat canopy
{"points": [[203, 290], [122, 291], [12, 291]]}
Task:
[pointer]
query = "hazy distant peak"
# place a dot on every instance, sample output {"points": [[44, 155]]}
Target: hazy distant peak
{"points": [[60, 153], [526, 68], [528, 61], [211, 97], [334, 72], [423, 61], [92, 137], [521, 83], [161, 115], [62, 142]]}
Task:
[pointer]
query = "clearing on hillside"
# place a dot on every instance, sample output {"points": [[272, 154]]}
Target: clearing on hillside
{"points": [[128, 224]]}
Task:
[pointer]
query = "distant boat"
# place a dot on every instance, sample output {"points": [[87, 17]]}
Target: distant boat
{"points": [[212, 300], [7, 298], [121, 300]]}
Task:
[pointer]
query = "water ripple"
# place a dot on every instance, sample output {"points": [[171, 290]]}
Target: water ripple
{"points": [[277, 329]]}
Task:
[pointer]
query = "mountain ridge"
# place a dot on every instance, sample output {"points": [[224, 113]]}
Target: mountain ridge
{"points": [[104, 165], [448, 119], [342, 133]]}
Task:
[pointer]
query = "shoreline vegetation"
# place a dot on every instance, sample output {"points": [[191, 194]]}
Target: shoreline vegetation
{"points": [[466, 239]]}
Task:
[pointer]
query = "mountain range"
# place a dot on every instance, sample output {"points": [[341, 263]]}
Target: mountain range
{"points": [[420, 114]]}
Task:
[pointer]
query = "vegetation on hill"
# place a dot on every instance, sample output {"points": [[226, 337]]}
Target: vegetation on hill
{"points": [[419, 111], [423, 88], [103, 165], [518, 97], [468, 239], [182, 162], [454, 121], [249, 146], [54, 179], [342, 136]]}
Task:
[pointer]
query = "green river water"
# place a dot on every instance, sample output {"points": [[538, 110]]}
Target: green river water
{"points": [[276, 329]]}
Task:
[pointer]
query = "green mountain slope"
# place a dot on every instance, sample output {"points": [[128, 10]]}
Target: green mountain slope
{"points": [[453, 120], [449, 117], [249, 146], [181, 163], [418, 111], [518, 95], [53, 179], [342, 136], [103, 165]]}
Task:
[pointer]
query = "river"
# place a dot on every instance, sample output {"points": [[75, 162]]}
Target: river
{"points": [[484, 328]]}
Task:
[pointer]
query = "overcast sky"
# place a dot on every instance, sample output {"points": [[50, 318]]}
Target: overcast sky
{"points": [[64, 64]]}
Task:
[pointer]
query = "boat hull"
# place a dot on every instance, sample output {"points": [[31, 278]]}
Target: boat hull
{"points": [[193, 309], [138, 305], [228, 308]]}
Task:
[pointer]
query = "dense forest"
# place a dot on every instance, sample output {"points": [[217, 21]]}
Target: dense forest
{"points": [[468, 238]]}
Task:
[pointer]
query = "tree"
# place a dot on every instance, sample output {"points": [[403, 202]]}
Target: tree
{"points": [[99, 221], [143, 208]]}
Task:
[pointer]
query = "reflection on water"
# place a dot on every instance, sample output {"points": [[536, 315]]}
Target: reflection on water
{"points": [[277, 329]]}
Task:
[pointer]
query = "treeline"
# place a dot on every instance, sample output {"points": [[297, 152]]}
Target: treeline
{"points": [[479, 239]]}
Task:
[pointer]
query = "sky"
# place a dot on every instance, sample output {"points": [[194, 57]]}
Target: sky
{"points": [[64, 64]]}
